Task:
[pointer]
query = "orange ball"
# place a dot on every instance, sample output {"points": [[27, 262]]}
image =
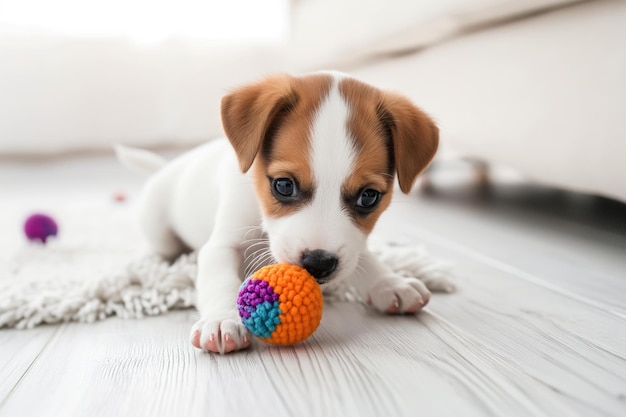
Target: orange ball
{"points": [[281, 304]]}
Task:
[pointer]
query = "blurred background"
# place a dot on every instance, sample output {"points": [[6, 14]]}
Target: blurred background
{"points": [[537, 87]]}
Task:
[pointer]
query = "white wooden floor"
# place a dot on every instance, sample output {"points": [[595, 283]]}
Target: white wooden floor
{"points": [[537, 328]]}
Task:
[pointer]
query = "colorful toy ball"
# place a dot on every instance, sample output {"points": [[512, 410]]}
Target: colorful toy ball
{"points": [[281, 304], [40, 227]]}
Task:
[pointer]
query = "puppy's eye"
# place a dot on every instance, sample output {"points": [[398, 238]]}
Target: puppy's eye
{"points": [[284, 187], [368, 200]]}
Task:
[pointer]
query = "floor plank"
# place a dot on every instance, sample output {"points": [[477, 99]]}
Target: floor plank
{"points": [[18, 352], [575, 257]]}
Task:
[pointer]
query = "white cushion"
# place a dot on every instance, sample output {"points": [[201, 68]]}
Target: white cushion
{"points": [[545, 95], [338, 32]]}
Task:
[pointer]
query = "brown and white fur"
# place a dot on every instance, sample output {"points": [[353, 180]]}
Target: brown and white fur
{"points": [[332, 145]]}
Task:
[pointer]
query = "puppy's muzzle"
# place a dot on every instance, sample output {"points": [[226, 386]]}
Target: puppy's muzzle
{"points": [[320, 264]]}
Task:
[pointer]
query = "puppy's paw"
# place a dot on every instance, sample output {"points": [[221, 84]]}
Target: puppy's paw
{"points": [[415, 262], [220, 333], [438, 281], [397, 295]]}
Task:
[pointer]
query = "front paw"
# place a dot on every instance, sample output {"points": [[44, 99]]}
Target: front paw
{"points": [[220, 333], [397, 295], [412, 261]]}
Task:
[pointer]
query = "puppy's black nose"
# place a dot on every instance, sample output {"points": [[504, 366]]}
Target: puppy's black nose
{"points": [[319, 263]]}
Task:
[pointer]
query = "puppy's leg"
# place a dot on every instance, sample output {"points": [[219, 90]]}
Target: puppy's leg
{"points": [[378, 285], [219, 329], [415, 262], [162, 239], [220, 265], [154, 219]]}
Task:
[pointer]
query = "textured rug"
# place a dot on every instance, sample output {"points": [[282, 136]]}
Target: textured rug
{"points": [[98, 268], [145, 287]]}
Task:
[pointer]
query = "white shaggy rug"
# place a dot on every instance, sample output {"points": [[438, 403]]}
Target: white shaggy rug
{"points": [[99, 267], [145, 287], [96, 268]]}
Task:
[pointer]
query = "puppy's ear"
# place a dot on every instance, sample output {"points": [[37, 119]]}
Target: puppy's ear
{"points": [[250, 114], [415, 137]]}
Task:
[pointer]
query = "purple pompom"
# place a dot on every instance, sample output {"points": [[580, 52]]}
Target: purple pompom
{"points": [[40, 227]]}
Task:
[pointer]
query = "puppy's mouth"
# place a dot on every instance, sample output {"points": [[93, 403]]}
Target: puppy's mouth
{"points": [[327, 281], [323, 281]]}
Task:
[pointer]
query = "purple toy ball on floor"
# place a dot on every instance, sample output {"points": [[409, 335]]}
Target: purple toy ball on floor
{"points": [[40, 227]]}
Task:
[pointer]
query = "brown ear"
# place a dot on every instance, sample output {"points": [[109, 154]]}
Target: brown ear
{"points": [[250, 112], [415, 138]]}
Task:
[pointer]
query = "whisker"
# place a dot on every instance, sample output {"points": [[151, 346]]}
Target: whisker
{"points": [[265, 260], [257, 253], [260, 261], [360, 270], [251, 229], [263, 244]]}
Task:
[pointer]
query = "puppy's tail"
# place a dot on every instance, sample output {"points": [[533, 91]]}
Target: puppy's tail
{"points": [[139, 160]]}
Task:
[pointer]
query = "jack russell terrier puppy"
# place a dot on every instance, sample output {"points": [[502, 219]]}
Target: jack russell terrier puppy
{"points": [[308, 168]]}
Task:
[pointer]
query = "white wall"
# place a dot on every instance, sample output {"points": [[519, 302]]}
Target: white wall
{"points": [[76, 74], [64, 94]]}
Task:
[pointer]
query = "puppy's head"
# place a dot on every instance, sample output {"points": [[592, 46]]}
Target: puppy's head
{"points": [[324, 150]]}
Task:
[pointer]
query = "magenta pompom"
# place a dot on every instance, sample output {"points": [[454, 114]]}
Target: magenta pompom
{"points": [[40, 227]]}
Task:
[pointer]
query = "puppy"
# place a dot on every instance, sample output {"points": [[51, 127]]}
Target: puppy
{"points": [[308, 167]]}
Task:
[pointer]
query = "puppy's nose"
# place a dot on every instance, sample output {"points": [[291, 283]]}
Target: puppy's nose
{"points": [[319, 263]]}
